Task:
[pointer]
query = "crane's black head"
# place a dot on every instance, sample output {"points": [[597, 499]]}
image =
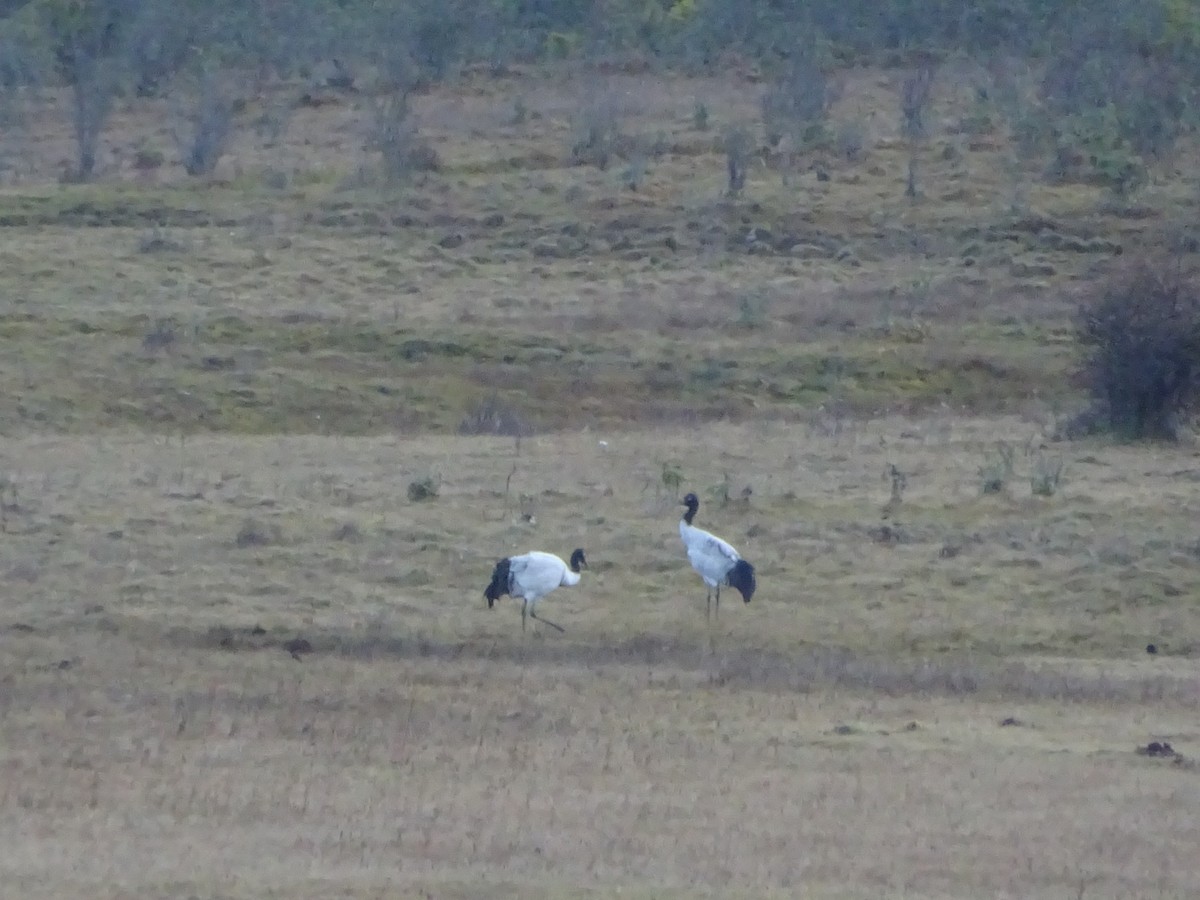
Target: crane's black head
{"points": [[741, 578], [692, 502], [499, 585], [578, 561]]}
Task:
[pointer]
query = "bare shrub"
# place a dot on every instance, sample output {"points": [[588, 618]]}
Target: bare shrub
{"points": [[752, 307], [1046, 476], [20, 65], [209, 125], [1141, 339], [1113, 108], [851, 140], [1013, 90], [272, 123], [162, 335], [91, 103], [916, 94], [597, 132], [257, 534], [997, 469], [797, 104], [396, 138], [148, 159], [88, 44], [1144, 95], [156, 241], [738, 147], [16, 96], [348, 532], [635, 173], [16, 149], [493, 416]]}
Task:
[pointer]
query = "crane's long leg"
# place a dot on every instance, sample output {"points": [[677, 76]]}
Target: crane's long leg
{"points": [[717, 612], [708, 606], [524, 610], [547, 621]]}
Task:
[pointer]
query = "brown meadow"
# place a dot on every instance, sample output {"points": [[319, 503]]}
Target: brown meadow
{"points": [[214, 398]]}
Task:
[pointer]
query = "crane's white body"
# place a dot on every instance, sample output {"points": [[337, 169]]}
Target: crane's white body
{"points": [[711, 557], [530, 577]]}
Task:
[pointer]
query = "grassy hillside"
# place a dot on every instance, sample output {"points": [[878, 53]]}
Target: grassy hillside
{"points": [[297, 292]]}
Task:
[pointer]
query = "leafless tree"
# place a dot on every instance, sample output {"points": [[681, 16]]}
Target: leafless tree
{"points": [[915, 95]]}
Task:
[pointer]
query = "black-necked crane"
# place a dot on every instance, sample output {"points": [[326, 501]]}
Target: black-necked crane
{"points": [[715, 560], [530, 577]]}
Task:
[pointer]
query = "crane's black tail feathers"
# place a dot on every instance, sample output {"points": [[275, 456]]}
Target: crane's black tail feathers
{"points": [[499, 585], [741, 578]]}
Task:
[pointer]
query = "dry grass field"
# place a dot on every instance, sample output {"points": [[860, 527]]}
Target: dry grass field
{"points": [[214, 398]]}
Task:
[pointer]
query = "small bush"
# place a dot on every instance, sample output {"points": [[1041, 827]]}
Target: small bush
{"points": [[349, 532], [719, 493], [147, 159], [520, 112], [422, 489], [752, 308], [671, 477], [257, 534], [156, 241], [1046, 476], [997, 470], [635, 173], [161, 336], [1141, 339], [851, 140]]}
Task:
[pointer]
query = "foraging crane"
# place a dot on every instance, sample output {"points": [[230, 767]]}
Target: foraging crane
{"points": [[531, 577], [713, 559]]}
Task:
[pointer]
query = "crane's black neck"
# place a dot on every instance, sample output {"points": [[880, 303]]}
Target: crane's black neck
{"points": [[692, 505]]}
